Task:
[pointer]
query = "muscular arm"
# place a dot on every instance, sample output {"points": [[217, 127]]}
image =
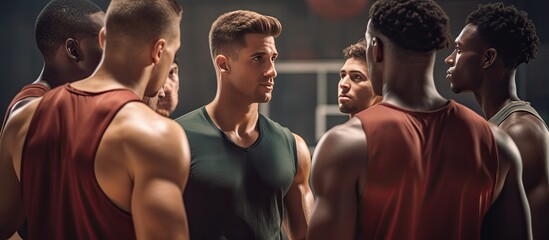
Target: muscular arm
{"points": [[299, 199], [532, 140], [159, 168], [338, 160], [11, 203], [509, 215]]}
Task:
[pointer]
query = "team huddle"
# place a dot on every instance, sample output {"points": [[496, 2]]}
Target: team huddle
{"points": [[88, 150]]}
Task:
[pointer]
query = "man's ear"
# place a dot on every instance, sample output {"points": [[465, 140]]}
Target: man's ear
{"points": [[222, 64], [102, 38], [377, 49], [71, 47], [490, 56], [158, 50]]}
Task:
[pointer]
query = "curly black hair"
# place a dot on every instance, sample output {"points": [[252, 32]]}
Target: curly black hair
{"points": [[62, 19], [416, 25], [509, 30]]}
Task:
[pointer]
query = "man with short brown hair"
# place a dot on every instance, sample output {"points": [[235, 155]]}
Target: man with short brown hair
{"points": [[89, 160]]}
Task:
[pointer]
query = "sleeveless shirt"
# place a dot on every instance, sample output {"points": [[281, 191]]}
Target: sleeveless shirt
{"points": [[62, 197], [512, 107], [235, 192], [30, 90], [430, 175]]}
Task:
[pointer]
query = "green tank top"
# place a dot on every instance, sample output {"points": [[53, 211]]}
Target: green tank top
{"points": [[512, 107], [235, 192]]}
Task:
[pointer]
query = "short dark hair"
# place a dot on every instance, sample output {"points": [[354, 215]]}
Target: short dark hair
{"points": [[63, 19], [230, 28], [509, 30], [142, 20], [357, 50], [416, 25]]}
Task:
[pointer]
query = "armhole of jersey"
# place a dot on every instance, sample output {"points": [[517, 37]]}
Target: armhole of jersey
{"points": [[296, 155], [97, 185], [496, 153]]}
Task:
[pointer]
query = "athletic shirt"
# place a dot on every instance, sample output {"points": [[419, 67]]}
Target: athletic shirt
{"points": [[31, 90], [235, 192], [430, 175], [61, 196], [512, 107]]}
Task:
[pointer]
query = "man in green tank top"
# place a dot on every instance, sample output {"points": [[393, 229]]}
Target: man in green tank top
{"points": [[249, 175], [494, 42]]}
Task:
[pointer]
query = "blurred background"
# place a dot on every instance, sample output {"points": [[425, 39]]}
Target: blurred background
{"points": [[314, 33]]}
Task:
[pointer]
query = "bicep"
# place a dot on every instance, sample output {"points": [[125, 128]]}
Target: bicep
{"points": [[531, 141], [160, 174], [510, 208], [157, 208], [11, 202], [334, 180], [299, 199]]}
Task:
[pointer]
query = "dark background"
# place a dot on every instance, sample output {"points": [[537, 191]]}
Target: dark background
{"points": [[306, 36]]}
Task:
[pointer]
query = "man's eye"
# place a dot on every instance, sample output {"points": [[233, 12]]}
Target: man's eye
{"points": [[173, 71]]}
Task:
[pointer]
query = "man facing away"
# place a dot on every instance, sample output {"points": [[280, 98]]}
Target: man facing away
{"points": [[248, 175], [355, 92], [66, 34], [494, 42], [416, 165], [89, 160]]}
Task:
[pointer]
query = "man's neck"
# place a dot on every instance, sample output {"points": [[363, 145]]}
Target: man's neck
{"points": [[114, 73], [233, 116], [52, 77], [496, 92], [411, 86]]}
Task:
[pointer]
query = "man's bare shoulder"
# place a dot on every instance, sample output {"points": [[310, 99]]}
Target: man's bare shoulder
{"points": [[523, 126], [507, 148], [21, 103], [349, 132], [302, 148], [139, 125], [19, 120], [342, 145]]}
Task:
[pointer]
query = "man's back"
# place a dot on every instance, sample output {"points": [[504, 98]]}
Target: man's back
{"points": [[135, 154], [422, 181], [57, 167], [140, 161]]}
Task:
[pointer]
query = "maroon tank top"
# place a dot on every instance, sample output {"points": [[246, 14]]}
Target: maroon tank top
{"points": [[31, 90], [430, 175], [61, 195]]}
